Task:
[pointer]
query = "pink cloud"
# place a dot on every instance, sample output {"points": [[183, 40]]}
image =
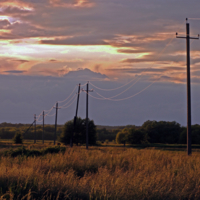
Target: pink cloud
{"points": [[73, 3]]}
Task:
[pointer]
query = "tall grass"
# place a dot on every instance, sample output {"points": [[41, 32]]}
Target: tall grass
{"points": [[102, 173]]}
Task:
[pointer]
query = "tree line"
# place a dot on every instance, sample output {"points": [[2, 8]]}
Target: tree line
{"points": [[158, 132], [150, 132]]}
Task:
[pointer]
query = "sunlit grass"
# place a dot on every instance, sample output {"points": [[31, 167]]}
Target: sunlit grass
{"points": [[102, 173]]}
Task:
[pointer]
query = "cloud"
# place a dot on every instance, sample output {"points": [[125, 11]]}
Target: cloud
{"points": [[22, 61], [85, 74], [10, 6], [130, 51], [15, 71], [72, 3], [4, 23], [89, 39]]}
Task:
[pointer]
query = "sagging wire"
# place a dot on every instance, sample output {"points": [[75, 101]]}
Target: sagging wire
{"points": [[104, 98], [68, 101], [123, 91], [68, 96], [69, 104], [113, 88], [111, 98]]}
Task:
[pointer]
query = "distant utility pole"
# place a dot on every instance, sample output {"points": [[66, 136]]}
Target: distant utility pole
{"points": [[43, 130], [87, 92], [189, 149], [75, 117], [35, 129], [56, 122]]}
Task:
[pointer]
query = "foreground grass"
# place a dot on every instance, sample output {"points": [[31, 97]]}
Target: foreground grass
{"points": [[102, 173]]}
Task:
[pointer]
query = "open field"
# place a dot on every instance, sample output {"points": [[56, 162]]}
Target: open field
{"points": [[102, 173]]}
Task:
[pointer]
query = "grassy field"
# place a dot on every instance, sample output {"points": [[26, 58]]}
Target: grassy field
{"points": [[101, 173]]}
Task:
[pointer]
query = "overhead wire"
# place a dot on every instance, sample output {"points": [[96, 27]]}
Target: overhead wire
{"points": [[161, 52], [68, 96], [69, 104], [69, 101], [123, 91], [110, 98], [113, 88]]}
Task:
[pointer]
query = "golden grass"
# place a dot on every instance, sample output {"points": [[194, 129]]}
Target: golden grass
{"points": [[102, 173]]}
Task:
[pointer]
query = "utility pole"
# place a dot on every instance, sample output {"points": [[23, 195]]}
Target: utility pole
{"points": [[189, 149], [56, 123], [87, 116], [87, 92], [75, 117], [43, 130], [35, 129]]}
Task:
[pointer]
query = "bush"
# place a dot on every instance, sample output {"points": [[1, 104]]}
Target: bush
{"points": [[18, 138], [121, 137]]}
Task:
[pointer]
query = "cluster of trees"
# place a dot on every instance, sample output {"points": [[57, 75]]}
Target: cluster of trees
{"points": [[7, 131], [78, 132], [104, 134], [158, 132], [149, 132]]}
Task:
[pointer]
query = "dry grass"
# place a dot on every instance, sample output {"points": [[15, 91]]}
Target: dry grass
{"points": [[102, 173]]}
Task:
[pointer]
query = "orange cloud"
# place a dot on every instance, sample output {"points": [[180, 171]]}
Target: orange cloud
{"points": [[16, 3], [73, 4]]}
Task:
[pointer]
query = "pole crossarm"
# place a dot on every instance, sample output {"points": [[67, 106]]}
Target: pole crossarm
{"points": [[86, 90], [195, 38]]}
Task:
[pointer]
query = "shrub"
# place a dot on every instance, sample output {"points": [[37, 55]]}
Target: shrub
{"points": [[18, 138]]}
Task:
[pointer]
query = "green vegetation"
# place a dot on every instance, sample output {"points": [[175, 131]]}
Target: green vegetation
{"points": [[22, 151], [37, 171], [157, 132], [79, 133], [7, 131], [18, 138], [151, 132], [104, 134], [101, 173]]}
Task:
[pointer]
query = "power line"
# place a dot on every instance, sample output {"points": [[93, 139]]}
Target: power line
{"points": [[111, 89], [68, 96]]}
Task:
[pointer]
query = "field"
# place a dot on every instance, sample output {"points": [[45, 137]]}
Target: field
{"points": [[101, 173]]}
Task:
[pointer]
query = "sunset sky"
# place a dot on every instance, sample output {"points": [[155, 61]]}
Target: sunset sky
{"points": [[48, 45]]}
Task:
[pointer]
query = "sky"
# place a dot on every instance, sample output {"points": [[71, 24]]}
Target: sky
{"points": [[126, 48]]}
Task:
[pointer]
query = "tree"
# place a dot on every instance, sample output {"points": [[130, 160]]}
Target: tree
{"points": [[79, 132], [162, 132], [121, 137], [195, 135], [137, 136], [18, 138]]}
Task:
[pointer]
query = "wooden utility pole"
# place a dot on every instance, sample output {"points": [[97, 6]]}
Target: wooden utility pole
{"points": [[87, 135], [75, 117], [43, 130], [189, 149], [35, 129], [56, 123]]}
